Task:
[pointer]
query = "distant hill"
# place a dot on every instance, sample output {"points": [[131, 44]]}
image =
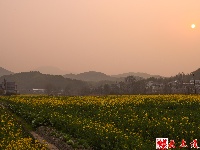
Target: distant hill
{"points": [[99, 76], [138, 74], [50, 70], [91, 76], [196, 73], [5, 72], [34, 79]]}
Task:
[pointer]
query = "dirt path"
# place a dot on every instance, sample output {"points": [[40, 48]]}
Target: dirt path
{"points": [[36, 136], [42, 141], [53, 139], [2, 105]]}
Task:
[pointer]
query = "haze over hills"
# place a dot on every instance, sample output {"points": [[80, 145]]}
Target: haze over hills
{"points": [[99, 76], [5, 72], [50, 70], [138, 74], [88, 76], [91, 76], [85, 76]]}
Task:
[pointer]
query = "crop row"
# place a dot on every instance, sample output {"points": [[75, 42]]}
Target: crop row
{"points": [[12, 135]]}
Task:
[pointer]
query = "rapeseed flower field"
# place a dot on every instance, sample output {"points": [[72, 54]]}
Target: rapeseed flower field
{"points": [[12, 136], [114, 122]]}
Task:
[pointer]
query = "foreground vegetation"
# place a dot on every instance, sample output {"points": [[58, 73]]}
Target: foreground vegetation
{"points": [[114, 122], [12, 135]]}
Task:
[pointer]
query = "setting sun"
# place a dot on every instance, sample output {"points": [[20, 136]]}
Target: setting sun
{"points": [[193, 26]]}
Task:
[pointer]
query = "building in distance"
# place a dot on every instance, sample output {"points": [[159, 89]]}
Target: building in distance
{"points": [[8, 88]]}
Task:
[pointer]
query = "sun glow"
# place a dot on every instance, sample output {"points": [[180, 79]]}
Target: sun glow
{"points": [[193, 26]]}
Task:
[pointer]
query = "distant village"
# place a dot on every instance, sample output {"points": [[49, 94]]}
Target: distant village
{"points": [[151, 87], [174, 87]]}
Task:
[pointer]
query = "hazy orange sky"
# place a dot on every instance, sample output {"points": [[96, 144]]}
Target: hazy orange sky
{"points": [[110, 36]]}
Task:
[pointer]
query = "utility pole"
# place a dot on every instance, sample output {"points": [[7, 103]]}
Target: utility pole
{"points": [[195, 92], [182, 86]]}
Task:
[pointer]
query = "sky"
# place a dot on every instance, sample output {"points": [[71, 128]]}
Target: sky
{"points": [[109, 36]]}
